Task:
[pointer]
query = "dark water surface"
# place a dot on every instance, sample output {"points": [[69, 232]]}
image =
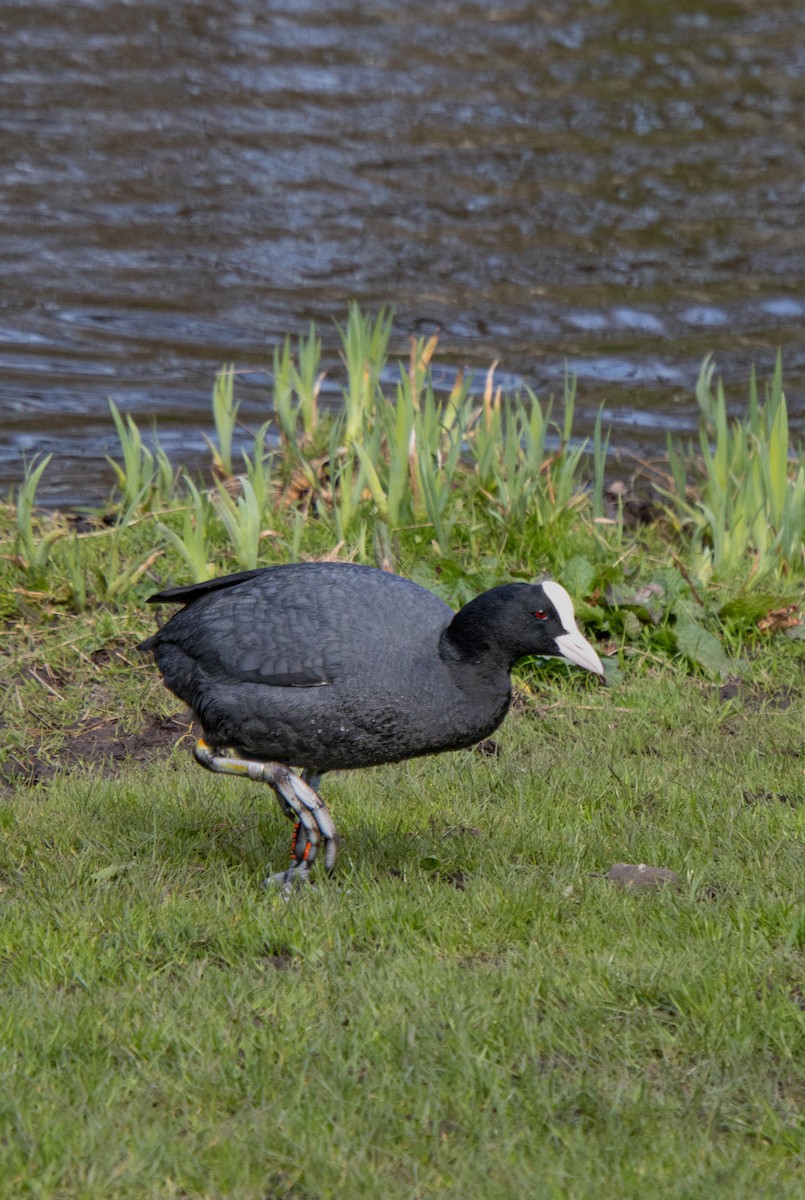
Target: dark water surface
{"points": [[612, 184]]}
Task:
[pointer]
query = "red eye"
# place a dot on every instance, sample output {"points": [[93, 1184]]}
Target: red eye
{"points": [[541, 614]]}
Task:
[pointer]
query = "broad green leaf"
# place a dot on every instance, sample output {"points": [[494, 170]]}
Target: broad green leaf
{"points": [[578, 575], [702, 647]]}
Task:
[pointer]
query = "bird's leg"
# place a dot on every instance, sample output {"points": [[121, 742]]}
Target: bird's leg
{"points": [[298, 801], [299, 835]]}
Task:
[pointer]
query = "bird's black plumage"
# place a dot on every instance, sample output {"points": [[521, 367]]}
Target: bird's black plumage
{"points": [[324, 666], [336, 665]]}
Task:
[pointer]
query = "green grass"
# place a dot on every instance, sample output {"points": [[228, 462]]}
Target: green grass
{"points": [[467, 1009]]}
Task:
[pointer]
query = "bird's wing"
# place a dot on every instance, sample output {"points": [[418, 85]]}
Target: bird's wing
{"points": [[299, 626], [245, 637]]}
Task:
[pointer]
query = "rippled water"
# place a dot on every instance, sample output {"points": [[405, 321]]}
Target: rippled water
{"points": [[615, 186]]}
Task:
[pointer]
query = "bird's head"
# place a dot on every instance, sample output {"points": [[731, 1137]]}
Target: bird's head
{"points": [[519, 619], [556, 624]]}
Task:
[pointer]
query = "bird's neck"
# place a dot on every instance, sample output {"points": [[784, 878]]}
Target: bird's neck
{"points": [[470, 640]]}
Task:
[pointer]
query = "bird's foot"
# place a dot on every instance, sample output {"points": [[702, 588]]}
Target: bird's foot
{"points": [[297, 875]]}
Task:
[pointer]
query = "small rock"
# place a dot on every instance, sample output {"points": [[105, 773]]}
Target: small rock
{"points": [[628, 876]]}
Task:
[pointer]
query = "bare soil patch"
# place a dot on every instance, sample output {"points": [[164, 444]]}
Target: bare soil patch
{"points": [[105, 744]]}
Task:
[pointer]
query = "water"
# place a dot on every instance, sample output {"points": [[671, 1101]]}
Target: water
{"points": [[614, 186]]}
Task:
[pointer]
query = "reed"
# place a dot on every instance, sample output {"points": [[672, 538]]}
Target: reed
{"points": [[225, 415], [192, 544], [242, 519], [744, 512], [145, 478], [33, 551], [466, 479]]}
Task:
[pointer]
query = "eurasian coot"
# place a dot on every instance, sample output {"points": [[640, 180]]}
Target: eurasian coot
{"points": [[326, 666]]}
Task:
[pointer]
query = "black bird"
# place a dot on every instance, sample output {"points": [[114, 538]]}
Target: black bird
{"points": [[326, 666]]}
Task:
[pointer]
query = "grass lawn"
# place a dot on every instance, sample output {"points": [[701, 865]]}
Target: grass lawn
{"points": [[469, 1008]]}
